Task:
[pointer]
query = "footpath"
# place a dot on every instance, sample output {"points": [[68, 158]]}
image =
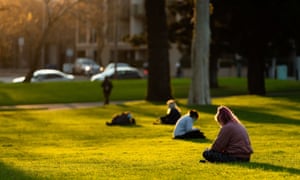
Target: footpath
{"points": [[55, 106]]}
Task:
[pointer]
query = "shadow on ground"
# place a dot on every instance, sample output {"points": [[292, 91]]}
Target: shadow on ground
{"points": [[269, 167], [9, 172]]}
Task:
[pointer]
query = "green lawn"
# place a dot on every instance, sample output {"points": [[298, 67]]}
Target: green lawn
{"points": [[76, 144], [124, 90]]}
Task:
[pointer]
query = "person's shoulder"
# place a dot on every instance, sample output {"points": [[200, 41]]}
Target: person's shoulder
{"points": [[232, 127], [185, 117]]}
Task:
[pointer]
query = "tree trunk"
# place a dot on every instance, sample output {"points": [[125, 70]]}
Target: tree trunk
{"points": [[199, 91], [159, 85], [213, 66], [34, 64], [256, 69]]}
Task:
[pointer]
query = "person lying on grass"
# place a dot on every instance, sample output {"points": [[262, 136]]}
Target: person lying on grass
{"points": [[184, 127], [125, 118], [232, 143]]}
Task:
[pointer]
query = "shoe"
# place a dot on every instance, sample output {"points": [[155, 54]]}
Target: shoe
{"points": [[156, 122], [108, 123]]}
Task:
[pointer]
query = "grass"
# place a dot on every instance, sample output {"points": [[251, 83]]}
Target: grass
{"points": [[76, 144]]}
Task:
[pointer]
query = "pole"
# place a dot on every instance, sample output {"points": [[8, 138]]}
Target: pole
{"points": [[116, 35], [43, 31]]}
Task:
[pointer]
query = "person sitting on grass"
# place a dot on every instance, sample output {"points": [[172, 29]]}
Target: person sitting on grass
{"points": [[173, 114], [232, 143], [184, 127]]}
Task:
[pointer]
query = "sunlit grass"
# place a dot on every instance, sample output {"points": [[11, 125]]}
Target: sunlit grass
{"points": [[76, 144]]}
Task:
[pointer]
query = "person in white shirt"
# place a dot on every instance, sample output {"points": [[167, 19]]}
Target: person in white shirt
{"points": [[184, 127]]}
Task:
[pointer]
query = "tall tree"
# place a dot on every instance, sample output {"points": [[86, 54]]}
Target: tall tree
{"points": [[199, 91], [159, 81]]}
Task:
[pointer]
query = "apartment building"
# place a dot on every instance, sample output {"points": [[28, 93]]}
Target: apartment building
{"points": [[123, 41]]}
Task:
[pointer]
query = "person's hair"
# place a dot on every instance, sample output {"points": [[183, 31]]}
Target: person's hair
{"points": [[170, 101], [194, 114], [225, 115], [172, 104]]}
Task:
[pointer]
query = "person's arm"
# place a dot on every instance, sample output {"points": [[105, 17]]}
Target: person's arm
{"points": [[170, 113], [189, 124], [222, 140]]}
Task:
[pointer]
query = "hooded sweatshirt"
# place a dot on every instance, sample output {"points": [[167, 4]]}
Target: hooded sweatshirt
{"points": [[233, 139]]}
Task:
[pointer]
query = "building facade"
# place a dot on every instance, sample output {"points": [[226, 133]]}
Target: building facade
{"points": [[124, 40]]}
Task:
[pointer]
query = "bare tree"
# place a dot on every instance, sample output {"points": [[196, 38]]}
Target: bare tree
{"points": [[13, 21], [53, 12], [199, 91]]}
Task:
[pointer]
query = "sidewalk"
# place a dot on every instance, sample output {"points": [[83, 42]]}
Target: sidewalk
{"points": [[55, 106]]}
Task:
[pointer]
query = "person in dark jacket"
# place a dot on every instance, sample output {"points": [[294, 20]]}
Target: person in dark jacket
{"points": [[106, 87], [173, 114]]}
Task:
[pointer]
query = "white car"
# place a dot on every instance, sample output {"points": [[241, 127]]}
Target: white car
{"points": [[122, 73], [46, 75], [119, 64]]}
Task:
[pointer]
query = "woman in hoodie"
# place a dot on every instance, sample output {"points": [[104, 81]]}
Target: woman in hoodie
{"points": [[232, 143]]}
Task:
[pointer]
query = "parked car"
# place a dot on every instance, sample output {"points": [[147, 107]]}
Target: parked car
{"points": [[86, 66], [122, 73], [46, 75], [112, 65]]}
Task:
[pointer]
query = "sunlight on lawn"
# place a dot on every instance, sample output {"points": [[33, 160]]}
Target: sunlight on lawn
{"points": [[76, 144]]}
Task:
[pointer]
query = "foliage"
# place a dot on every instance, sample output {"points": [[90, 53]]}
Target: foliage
{"points": [[136, 39], [14, 21], [181, 28], [76, 144]]}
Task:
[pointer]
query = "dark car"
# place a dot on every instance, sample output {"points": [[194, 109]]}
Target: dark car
{"points": [[86, 66]]}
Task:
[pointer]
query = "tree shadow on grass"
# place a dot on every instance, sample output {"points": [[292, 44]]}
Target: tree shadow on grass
{"points": [[254, 115], [292, 96], [9, 172], [269, 167]]}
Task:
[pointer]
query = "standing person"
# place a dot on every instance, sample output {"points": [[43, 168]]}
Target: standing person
{"points": [[232, 143], [173, 114], [184, 127], [106, 87]]}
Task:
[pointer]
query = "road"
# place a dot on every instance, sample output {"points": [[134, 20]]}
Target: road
{"points": [[7, 75], [55, 106]]}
